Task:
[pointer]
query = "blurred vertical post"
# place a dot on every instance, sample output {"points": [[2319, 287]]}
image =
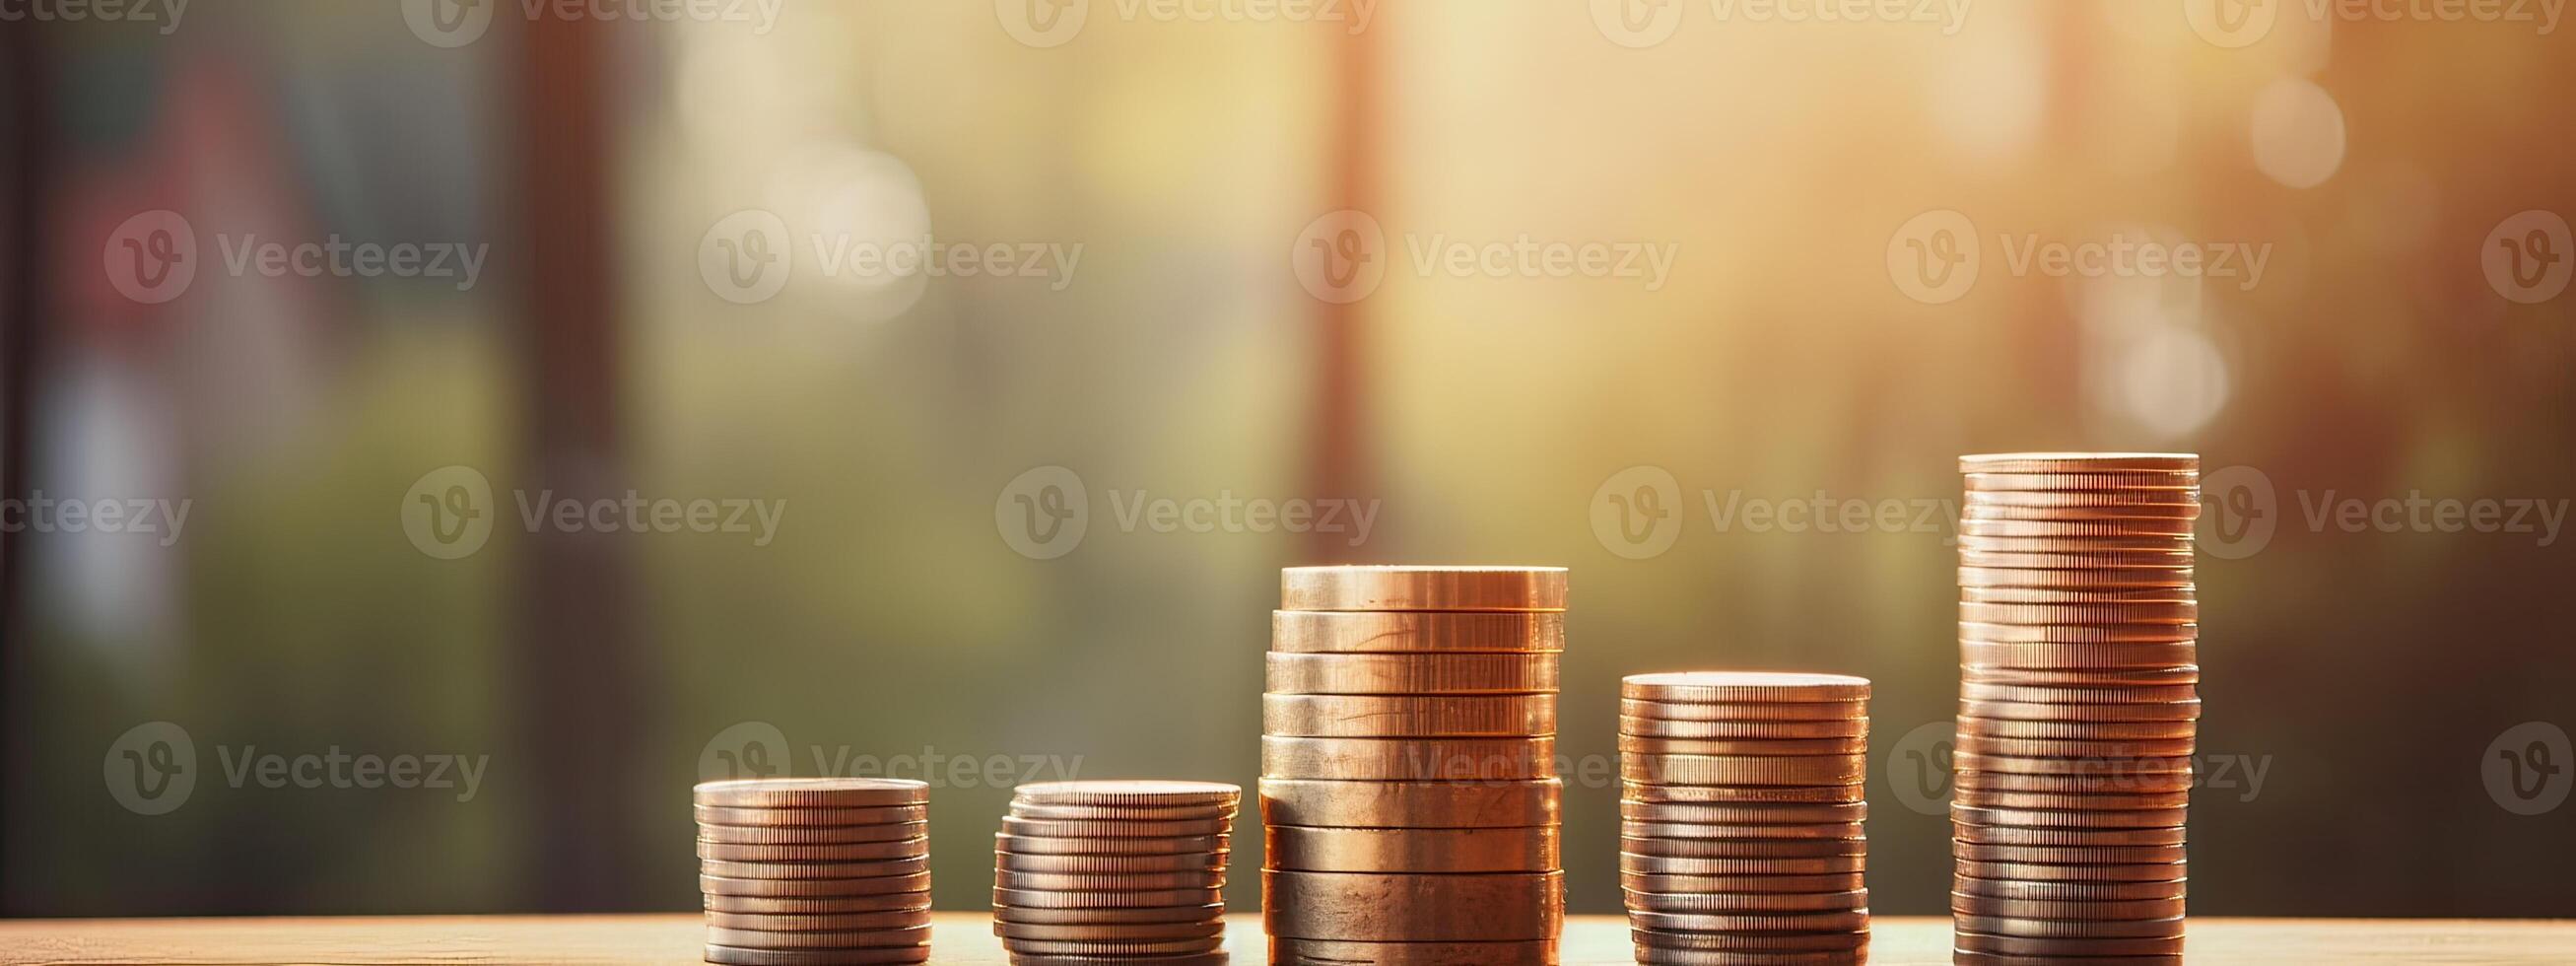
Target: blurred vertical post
{"points": [[582, 672], [1338, 457], [23, 166]]}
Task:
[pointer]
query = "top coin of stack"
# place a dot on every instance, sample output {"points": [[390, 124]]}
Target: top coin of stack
{"points": [[815, 870], [1114, 871], [1409, 782], [2078, 703], [1740, 816]]}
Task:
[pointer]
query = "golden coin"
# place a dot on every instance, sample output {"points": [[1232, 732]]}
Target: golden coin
{"points": [[2045, 802], [1827, 883], [1403, 907], [1632, 828], [2027, 872], [2055, 948], [1115, 829], [1841, 921], [1407, 759], [836, 940], [871, 956], [1758, 747], [2132, 527], [2047, 694], [1411, 673], [1784, 730], [1743, 769], [1334, 952], [2073, 929], [1109, 882], [1742, 687], [1989, 906], [816, 906], [1113, 864], [811, 835], [1089, 899], [1740, 794], [2117, 480], [832, 853], [2080, 730], [2064, 837], [2036, 711], [1110, 931], [2069, 891], [1061, 917], [2102, 678], [1743, 848], [1303, 849], [1049, 845], [810, 817], [1413, 632], [802, 793], [1094, 948], [831, 922], [1363, 588], [1630, 862], [1121, 813], [2028, 748], [1408, 716], [1746, 712], [1151, 794], [915, 880], [1411, 804], [2121, 612], [1754, 814]]}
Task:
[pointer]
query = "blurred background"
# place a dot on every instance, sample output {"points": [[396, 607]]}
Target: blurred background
{"points": [[944, 382]]}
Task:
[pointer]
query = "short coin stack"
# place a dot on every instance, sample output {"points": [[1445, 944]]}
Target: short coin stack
{"points": [[798, 871], [1740, 816], [1114, 871], [1409, 784], [2078, 703]]}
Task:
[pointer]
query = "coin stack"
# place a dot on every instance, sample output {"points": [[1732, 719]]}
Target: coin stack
{"points": [[1740, 816], [1114, 871], [801, 871], [2078, 703], [1409, 787]]}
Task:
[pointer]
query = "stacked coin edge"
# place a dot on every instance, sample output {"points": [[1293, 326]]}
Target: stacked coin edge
{"points": [[797, 871], [1114, 871]]}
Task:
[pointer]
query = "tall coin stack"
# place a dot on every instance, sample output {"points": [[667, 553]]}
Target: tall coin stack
{"points": [[799, 871], [1114, 871], [1740, 816], [1409, 787], [2078, 701]]}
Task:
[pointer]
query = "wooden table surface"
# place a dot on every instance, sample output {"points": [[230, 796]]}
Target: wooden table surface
{"points": [[962, 937]]}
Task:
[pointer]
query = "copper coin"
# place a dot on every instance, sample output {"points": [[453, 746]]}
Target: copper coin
{"points": [[1113, 947], [2070, 891], [1842, 921], [2030, 872], [840, 939], [2079, 463], [1088, 899], [1112, 864], [1750, 942], [1833, 882], [1683, 865], [2126, 479], [1987, 511], [1121, 813], [2070, 854], [1134, 914], [2050, 802], [2150, 501], [1408, 759], [1974, 576], [810, 817], [2134, 527], [1332, 952], [2064, 837], [811, 793], [2036, 711], [1962, 957], [1151, 794], [1760, 747], [2047, 694], [811, 835], [828, 922], [916, 880], [2128, 612], [2039, 818], [1109, 881], [1411, 632], [1408, 716], [1046, 845], [1743, 769], [1984, 906], [1745, 712], [1411, 804], [1218, 957], [1364, 588], [2106, 677], [836, 854], [2038, 748], [1398, 907], [1742, 848], [2063, 595], [1755, 814], [2076, 560], [2110, 784], [2071, 929], [776, 869], [826, 905], [2079, 730], [1412, 849], [1115, 829], [1630, 828], [1753, 904], [871, 956], [1110, 931], [1743, 730], [1857, 955], [1410, 673], [2085, 657], [2054, 948], [2174, 765], [2166, 542], [1742, 794], [2096, 635], [1743, 687]]}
